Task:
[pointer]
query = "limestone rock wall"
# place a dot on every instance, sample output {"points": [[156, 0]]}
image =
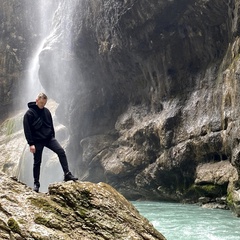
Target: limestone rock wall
{"points": [[149, 92], [153, 89]]}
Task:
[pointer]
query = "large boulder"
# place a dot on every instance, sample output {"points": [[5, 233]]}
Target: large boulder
{"points": [[71, 210]]}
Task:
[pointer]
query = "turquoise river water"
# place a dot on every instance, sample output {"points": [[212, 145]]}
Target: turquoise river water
{"points": [[190, 222]]}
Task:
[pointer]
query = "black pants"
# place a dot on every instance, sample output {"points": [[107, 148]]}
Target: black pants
{"points": [[54, 145]]}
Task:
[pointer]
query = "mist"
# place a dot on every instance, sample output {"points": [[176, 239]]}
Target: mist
{"points": [[51, 170]]}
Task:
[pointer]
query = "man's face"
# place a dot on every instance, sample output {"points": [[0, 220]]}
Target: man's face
{"points": [[41, 102]]}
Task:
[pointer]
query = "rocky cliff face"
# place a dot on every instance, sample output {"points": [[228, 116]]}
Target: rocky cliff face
{"points": [[72, 210], [155, 95], [149, 91]]}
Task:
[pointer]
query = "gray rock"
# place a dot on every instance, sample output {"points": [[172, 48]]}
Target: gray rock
{"points": [[71, 210], [216, 173]]}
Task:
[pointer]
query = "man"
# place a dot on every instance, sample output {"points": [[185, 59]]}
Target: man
{"points": [[39, 133]]}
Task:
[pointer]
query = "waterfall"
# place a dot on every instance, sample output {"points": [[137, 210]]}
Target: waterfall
{"points": [[50, 169], [33, 84]]}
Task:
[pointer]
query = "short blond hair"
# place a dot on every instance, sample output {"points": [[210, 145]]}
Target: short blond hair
{"points": [[42, 95]]}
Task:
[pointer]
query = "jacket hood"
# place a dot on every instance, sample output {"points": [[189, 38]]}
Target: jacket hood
{"points": [[32, 105]]}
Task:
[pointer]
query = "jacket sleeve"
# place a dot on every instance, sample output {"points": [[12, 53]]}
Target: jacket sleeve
{"points": [[27, 119]]}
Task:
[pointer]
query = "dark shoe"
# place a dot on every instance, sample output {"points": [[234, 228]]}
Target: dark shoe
{"points": [[36, 187], [68, 177]]}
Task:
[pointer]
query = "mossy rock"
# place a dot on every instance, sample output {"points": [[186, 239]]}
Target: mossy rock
{"points": [[230, 200], [207, 190], [48, 206], [13, 225], [49, 221]]}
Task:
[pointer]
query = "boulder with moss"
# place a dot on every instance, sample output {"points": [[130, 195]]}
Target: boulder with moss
{"points": [[71, 210]]}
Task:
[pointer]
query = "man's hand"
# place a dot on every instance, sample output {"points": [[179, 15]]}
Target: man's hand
{"points": [[32, 149]]}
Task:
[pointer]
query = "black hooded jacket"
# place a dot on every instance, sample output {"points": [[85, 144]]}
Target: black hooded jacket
{"points": [[43, 133]]}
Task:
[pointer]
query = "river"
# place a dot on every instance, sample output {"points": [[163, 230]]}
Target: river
{"points": [[190, 222]]}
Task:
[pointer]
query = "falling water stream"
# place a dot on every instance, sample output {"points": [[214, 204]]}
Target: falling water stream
{"points": [[45, 15], [51, 170], [33, 84], [33, 87]]}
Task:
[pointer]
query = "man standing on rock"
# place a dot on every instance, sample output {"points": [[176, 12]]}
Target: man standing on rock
{"points": [[39, 133]]}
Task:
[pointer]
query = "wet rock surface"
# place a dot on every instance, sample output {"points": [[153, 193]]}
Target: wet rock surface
{"points": [[71, 210]]}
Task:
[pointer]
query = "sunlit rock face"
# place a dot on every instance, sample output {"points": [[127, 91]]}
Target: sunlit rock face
{"points": [[149, 90], [72, 210]]}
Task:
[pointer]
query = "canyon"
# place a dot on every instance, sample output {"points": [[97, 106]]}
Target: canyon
{"points": [[147, 90]]}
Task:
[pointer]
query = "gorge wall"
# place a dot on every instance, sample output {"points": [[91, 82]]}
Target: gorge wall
{"points": [[149, 91]]}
